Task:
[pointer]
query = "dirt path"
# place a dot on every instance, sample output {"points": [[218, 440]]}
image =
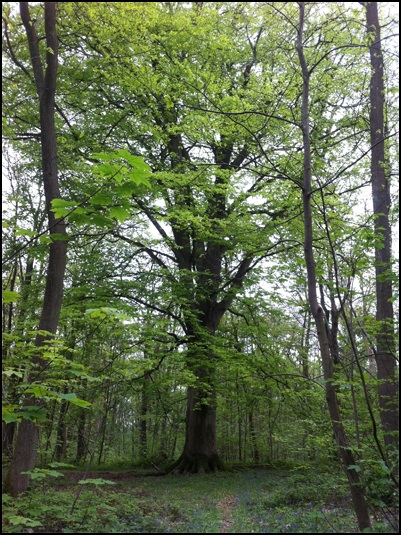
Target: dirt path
{"points": [[225, 507]]}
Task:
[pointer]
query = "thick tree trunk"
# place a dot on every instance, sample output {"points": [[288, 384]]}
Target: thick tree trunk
{"points": [[200, 451], [326, 346], [24, 458], [385, 345]]}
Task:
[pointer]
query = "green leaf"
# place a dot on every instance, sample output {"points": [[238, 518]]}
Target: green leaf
{"points": [[354, 467], [106, 170], [121, 214], [101, 221], [62, 203], [61, 465], [31, 412], [103, 156], [40, 473], [126, 189], [101, 199], [8, 415], [135, 161], [80, 403], [37, 391], [67, 397], [10, 297], [59, 237], [96, 482], [62, 208], [71, 398], [9, 373], [25, 232], [23, 521], [384, 468]]}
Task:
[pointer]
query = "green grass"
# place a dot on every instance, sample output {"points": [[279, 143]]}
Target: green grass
{"points": [[248, 501]]}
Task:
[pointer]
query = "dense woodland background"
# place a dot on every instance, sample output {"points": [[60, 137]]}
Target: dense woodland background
{"points": [[200, 211]]}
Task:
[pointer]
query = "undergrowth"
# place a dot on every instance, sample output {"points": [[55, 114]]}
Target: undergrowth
{"points": [[249, 501]]}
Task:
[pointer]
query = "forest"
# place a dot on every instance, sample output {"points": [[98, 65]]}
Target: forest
{"points": [[200, 270]]}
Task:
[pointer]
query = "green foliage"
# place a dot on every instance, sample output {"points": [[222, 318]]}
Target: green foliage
{"points": [[95, 482], [247, 501], [41, 473], [206, 158]]}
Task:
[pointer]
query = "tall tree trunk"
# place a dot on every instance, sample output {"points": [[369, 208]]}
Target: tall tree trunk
{"points": [[24, 458], [253, 435], [9, 429], [359, 502], [61, 440], [200, 450], [81, 443], [143, 431], [8, 432], [385, 345]]}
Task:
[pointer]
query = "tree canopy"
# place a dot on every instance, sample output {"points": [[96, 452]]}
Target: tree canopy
{"points": [[205, 171]]}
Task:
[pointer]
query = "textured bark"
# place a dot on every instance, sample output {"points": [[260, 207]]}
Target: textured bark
{"points": [[200, 451], [24, 457], [325, 343], [201, 261], [8, 432], [385, 344]]}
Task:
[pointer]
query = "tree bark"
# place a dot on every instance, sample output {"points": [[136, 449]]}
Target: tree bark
{"points": [[359, 502], [81, 442], [61, 440], [143, 427], [385, 344], [200, 451], [24, 458]]}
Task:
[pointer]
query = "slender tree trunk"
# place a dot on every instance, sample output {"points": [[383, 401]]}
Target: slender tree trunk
{"points": [[143, 435], [359, 502], [24, 458], [385, 345], [9, 429], [239, 421], [60, 448], [81, 443], [8, 432], [163, 444], [305, 343], [103, 425], [253, 436]]}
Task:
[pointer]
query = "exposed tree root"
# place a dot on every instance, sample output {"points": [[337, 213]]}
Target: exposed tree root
{"points": [[199, 464]]}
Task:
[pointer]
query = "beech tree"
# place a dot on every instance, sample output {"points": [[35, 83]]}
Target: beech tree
{"points": [[380, 170], [228, 265], [209, 232], [24, 456], [326, 341]]}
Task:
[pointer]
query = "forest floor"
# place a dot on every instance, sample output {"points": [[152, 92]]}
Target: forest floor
{"points": [[258, 500]]}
